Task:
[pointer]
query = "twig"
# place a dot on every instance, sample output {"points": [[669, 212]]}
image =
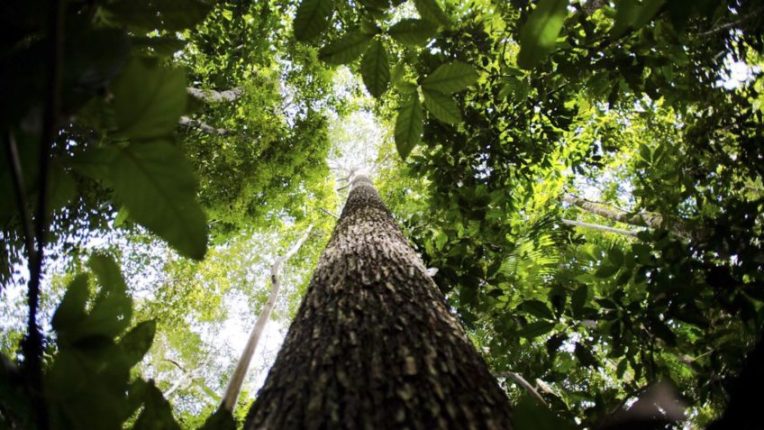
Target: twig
{"points": [[731, 24], [19, 189], [328, 213], [599, 227], [525, 384]]}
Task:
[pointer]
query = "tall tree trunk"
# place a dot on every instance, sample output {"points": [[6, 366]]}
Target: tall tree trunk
{"points": [[373, 345]]}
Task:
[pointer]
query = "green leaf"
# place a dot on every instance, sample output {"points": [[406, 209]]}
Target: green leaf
{"points": [[537, 308], [408, 125], [431, 11], [148, 100], [107, 272], [346, 49], [539, 34], [173, 15], [442, 107], [112, 308], [413, 32], [312, 19], [157, 413], [579, 299], [584, 356], [450, 78], [375, 69], [528, 413], [220, 420], [536, 329], [71, 310], [634, 14], [158, 187], [136, 343]]}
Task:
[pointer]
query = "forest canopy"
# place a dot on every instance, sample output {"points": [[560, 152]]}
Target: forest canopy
{"points": [[583, 179]]}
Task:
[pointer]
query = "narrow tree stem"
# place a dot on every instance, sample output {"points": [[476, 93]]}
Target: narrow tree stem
{"points": [[599, 227], [19, 189], [525, 384], [234, 386]]}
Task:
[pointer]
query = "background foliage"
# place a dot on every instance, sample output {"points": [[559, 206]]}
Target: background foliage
{"points": [[585, 176]]}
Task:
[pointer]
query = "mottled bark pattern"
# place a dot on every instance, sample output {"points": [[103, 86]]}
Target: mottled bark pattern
{"points": [[373, 345]]}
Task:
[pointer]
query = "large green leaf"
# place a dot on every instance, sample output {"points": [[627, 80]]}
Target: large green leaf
{"points": [[536, 329], [539, 34], [375, 69], [136, 343], [157, 412], [408, 125], [112, 307], [71, 310], [312, 18], [149, 99], [442, 107], [346, 49], [634, 14], [450, 78], [413, 31], [431, 11], [158, 187]]}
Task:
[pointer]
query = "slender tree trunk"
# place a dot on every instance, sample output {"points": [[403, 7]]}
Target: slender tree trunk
{"points": [[651, 220], [599, 227], [373, 345], [212, 96], [234, 386]]}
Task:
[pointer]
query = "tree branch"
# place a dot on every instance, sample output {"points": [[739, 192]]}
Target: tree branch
{"points": [[519, 380], [212, 96], [599, 227], [189, 122], [237, 379]]}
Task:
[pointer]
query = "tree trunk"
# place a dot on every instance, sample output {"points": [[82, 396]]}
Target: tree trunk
{"points": [[373, 345]]}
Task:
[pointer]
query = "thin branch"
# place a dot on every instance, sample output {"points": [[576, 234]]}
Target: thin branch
{"points": [[19, 189], [212, 96], [525, 384], [234, 386], [731, 24], [599, 227], [328, 213], [189, 122]]}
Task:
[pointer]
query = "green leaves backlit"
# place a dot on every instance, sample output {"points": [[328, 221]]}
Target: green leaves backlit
{"points": [[408, 125], [312, 19], [539, 34], [450, 78], [149, 174], [375, 69]]}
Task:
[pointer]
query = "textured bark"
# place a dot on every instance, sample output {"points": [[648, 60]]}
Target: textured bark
{"points": [[188, 122], [212, 96], [373, 345]]}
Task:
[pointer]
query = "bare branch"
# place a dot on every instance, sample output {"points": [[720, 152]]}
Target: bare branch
{"points": [[188, 122], [212, 96], [599, 227], [519, 380], [234, 386]]}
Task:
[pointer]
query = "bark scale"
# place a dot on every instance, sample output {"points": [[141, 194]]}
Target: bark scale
{"points": [[373, 345]]}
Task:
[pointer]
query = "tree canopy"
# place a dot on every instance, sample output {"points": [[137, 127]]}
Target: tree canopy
{"points": [[584, 178]]}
